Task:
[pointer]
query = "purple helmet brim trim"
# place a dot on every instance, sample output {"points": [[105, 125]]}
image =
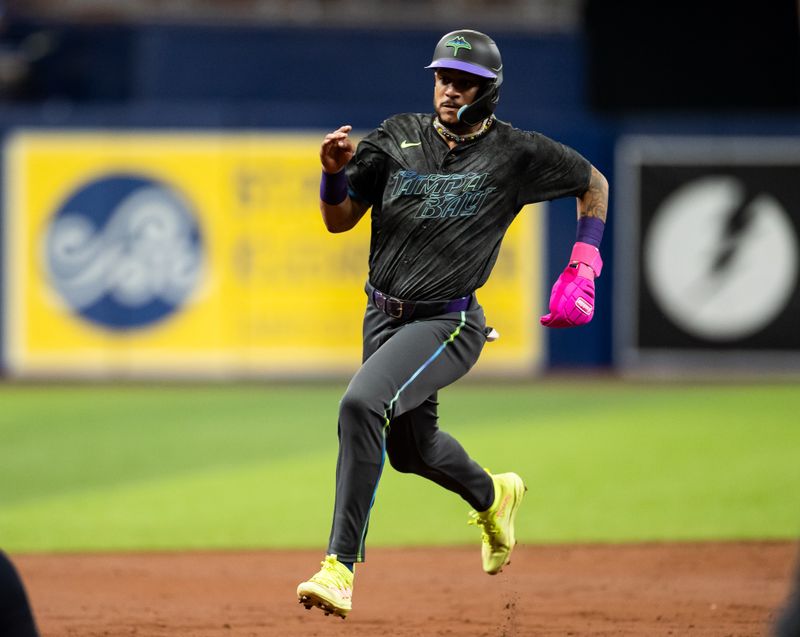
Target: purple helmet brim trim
{"points": [[461, 66]]}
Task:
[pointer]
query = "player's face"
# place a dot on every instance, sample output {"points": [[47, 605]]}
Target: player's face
{"points": [[453, 89]]}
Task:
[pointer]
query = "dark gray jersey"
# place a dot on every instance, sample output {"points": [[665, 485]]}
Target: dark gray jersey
{"points": [[439, 215]]}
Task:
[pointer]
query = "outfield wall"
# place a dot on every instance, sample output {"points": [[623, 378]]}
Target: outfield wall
{"points": [[244, 86]]}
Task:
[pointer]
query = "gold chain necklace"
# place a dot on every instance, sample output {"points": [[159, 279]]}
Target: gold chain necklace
{"points": [[449, 135]]}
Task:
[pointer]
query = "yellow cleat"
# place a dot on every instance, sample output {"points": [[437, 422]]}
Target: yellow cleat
{"points": [[497, 522], [330, 589]]}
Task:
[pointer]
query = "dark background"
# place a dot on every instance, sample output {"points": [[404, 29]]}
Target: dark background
{"points": [[621, 67]]}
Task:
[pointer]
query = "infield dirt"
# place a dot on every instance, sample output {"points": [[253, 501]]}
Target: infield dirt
{"points": [[720, 589]]}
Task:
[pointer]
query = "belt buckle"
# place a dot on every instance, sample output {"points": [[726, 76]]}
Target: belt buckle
{"points": [[390, 306], [394, 308]]}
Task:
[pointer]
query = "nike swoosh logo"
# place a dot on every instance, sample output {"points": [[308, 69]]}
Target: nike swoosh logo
{"points": [[407, 144], [496, 70]]}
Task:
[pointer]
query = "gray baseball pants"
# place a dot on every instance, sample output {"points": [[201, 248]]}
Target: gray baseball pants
{"points": [[390, 409]]}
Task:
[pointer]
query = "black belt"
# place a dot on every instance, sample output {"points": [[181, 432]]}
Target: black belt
{"points": [[402, 309]]}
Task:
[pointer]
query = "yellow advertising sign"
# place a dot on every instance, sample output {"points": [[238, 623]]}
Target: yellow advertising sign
{"points": [[202, 254]]}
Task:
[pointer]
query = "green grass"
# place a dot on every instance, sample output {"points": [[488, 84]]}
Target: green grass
{"points": [[136, 467]]}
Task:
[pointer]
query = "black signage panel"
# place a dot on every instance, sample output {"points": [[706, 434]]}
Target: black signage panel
{"points": [[711, 240]]}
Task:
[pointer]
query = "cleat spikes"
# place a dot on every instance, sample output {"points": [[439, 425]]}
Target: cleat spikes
{"points": [[309, 603]]}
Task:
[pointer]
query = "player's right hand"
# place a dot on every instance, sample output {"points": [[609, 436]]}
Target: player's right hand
{"points": [[571, 300], [572, 297], [337, 150]]}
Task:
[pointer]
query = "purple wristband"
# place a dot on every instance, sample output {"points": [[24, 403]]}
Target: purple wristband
{"points": [[333, 188], [590, 230]]}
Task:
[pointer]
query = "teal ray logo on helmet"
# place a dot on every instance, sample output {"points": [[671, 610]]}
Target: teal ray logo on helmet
{"points": [[459, 43]]}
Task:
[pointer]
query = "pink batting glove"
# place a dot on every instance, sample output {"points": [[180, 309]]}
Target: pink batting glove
{"points": [[572, 296]]}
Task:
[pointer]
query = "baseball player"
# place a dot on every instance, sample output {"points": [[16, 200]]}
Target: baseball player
{"points": [[16, 618], [443, 189], [788, 622]]}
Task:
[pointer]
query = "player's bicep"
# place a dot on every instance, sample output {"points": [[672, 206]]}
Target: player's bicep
{"points": [[551, 171]]}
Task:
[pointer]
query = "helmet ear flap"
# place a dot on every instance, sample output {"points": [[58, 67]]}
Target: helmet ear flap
{"points": [[484, 104]]}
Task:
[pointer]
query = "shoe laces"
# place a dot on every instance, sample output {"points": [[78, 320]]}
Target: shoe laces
{"points": [[488, 524], [331, 573]]}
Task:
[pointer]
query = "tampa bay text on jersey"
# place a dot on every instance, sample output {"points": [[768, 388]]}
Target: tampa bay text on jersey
{"points": [[451, 195]]}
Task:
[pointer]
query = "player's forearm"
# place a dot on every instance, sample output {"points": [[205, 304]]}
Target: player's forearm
{"points": [[342, 216], [594, 202], [339, 212], [572, 297]]}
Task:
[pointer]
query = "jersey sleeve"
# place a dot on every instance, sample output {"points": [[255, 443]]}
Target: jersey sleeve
{"points": [[551, 171], [367, 170]]}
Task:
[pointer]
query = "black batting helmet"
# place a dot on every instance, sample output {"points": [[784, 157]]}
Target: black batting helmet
{"points": [[472, 52]]}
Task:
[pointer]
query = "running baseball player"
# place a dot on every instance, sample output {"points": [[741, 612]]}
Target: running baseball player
{"points": [[788, 622], [443, 189], [16, 617]]}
